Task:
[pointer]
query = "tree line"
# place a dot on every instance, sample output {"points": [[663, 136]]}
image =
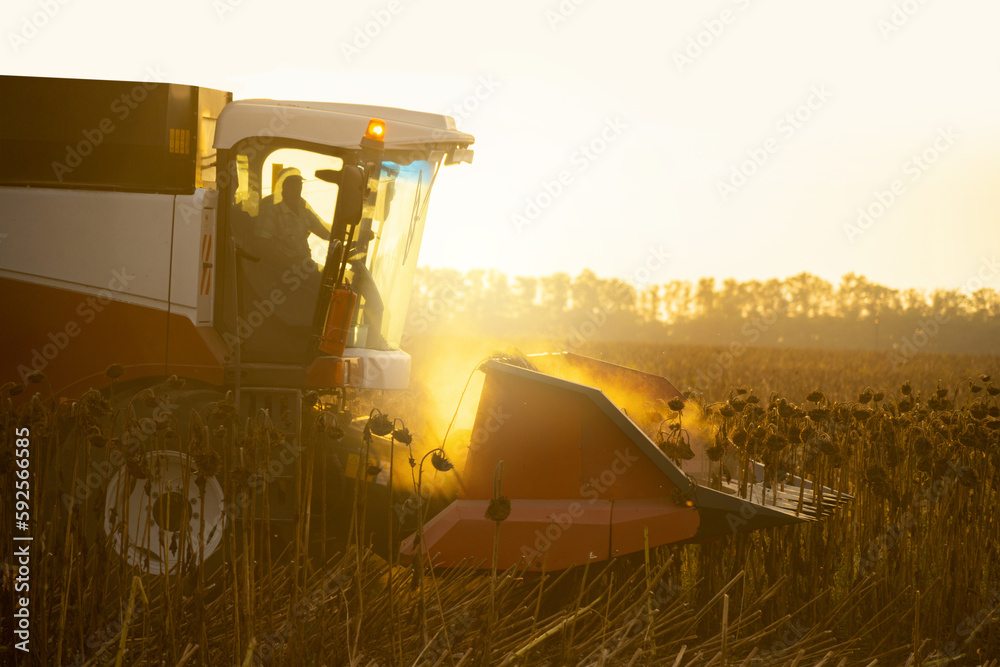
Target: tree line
{"points": [[800, 311]]}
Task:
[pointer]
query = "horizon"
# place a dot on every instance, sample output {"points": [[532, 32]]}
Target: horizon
{"points": [[989, 264]]}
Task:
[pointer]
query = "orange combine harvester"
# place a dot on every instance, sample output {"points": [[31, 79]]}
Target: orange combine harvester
{"points": [[177, 202]]}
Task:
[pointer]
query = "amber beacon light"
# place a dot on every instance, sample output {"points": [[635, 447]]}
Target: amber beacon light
{"points": [[376, 130]]}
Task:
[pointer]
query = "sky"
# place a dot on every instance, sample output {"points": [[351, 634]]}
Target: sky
{"points": [[646, 141]]}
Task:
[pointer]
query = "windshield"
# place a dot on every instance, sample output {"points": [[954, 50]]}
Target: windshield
{"points": [[281, 215], [397, 226]]}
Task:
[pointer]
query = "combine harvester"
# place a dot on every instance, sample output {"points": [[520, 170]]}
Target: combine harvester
{"points": [[139, 251]]}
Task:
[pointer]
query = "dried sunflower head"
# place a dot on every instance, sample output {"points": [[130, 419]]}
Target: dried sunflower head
{"points": [[380, 424], [861, 414], [174, 382], [499, 509], [209, 463], [240, 476], [441, 462], [225, 408], [95, 438], [936, 402], [775, 442], [680, 450], [827, 445], [815, 396], [818, 414]]}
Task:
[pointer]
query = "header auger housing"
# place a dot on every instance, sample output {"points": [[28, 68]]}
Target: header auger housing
{"points": [[584, 481]]}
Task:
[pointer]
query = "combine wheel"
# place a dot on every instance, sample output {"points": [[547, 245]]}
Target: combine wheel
{"points": [[146, 488], [157, 513], [166, 505]]}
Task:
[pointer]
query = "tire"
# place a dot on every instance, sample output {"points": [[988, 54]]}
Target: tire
{"points": [[159, 517], [137, 484]]}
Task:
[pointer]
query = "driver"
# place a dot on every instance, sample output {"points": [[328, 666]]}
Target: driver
{"points": [[286, 220]]}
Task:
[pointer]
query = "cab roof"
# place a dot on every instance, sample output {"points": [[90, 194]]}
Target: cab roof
{"points": [[334, 124]]}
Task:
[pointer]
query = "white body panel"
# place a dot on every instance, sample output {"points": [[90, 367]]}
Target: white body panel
{"points": [[89, 241], [135, 248], [382, 369], [192, 275]]}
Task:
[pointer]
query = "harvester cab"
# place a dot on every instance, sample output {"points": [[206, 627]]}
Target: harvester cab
{"points": [[368, 172]]}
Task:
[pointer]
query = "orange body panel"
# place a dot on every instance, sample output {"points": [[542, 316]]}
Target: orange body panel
{"points": [[537, 434], [667, 523], [195, 352], [551, 534], [326, 372], [561, 533], [583, 480], [72, 338], [338, 322], [554, 444]]}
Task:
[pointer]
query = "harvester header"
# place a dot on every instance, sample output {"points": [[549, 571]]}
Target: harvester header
{"points": [[585, 481]]}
